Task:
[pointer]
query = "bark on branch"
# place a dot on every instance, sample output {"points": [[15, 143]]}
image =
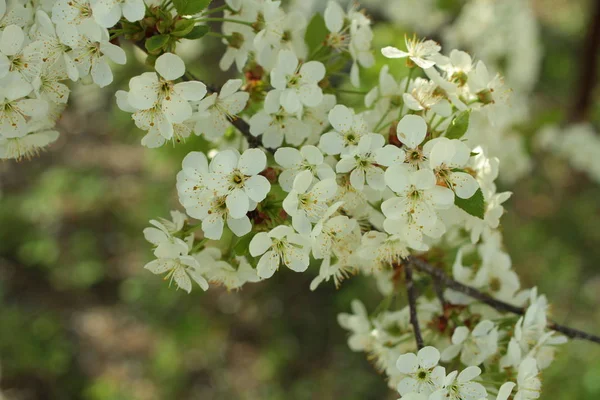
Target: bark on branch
{"points": [[412, 304], [441, 276]]}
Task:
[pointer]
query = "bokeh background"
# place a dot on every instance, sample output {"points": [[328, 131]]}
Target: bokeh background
{"points": [[81, 319]]}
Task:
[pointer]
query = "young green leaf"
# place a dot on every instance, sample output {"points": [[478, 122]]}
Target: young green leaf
{"points": [[190, 7], [156, 43], [197, 32], [459, 125], [316, 32], [183, 27], [475, 205]]}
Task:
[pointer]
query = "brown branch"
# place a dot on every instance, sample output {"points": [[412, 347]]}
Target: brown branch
{"points": [[437, 273], [588, 76], [412, 304]]}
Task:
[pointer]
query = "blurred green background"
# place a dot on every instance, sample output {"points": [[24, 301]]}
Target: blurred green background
{"points": [[81, 319]]}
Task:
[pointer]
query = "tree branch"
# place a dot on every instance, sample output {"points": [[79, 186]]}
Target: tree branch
{"points": [[441, 276], [412, 304], [589, 67]]}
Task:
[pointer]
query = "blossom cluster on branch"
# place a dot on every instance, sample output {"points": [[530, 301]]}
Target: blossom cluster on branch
{"points": [[298, 178]]}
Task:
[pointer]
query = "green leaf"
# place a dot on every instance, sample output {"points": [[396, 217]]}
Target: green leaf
{"points": [[190, 7], [316, 32], [197, 32], [242, 247], [183, 27], [459, 125], [475, 205], [156, 43]]}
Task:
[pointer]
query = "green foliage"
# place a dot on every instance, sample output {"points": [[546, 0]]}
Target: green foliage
{"points": [[183, 27], [475, 205], [197, 32], [190, 7], [157, 43], [459, 125], [316, 33]]}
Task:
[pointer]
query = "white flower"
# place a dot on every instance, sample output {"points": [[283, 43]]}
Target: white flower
{"points": [[421, 373], [299, 86], [108, 12], [26, 146], [223, 273], [349, 128], [350, 32], [281, 244], [411, 131], [180, 266], [201, 202], [159, 103], [161, 235], [308, 206], [236, 177], [360, 326], [417, 199], [51, 48], [421, 52], [485, 87], [529, 385], [380, 250], [217, 110], [329, 232], [15, 112], [361, 162], [74, 18], [92, 56], [474, 347], [17, 55], [422, 95], [461, 386], [446, 157], [275, 124], [505, 391], [308, 158]]}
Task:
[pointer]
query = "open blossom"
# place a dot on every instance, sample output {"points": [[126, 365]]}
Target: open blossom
{"points": [[528, 383], [308, 158], [460, 386], [92, 56], [298, 86], [361, 162], [420, 52], [201, 202], [348, 129], [108, 12], [411, 131], [308, 204], [216, 111], [173, 256], [417, 197], [475, 346], [280, 245], [447, 158], [275, 124], [421, 372], [157, 103], [236, 177], [73, 19]]}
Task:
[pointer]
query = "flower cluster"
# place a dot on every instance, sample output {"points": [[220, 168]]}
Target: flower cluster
{"points": [[41, 48], [297, 175]]}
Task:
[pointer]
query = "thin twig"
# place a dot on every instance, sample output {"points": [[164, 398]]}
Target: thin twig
{"points": [[412, 304], [437, 273]]}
